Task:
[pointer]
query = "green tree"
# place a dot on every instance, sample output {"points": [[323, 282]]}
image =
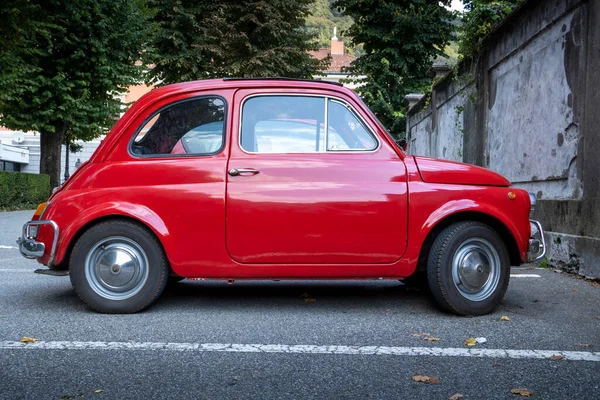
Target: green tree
{"points": [[321, 21], [63, 66], [479, 19], [198, 39], [400, 38]]}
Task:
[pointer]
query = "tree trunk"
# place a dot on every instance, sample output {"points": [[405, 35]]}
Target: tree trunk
{"points": [[50, 148]]}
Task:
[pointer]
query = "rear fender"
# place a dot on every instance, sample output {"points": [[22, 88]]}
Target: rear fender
{"points": [[101, 212]]}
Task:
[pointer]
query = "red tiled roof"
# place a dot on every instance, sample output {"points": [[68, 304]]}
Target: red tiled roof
{"points": [[336, 63]]}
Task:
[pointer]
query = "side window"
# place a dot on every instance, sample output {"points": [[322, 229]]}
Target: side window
{"points": [[283, 124], [187, 127], [346, 131], [296, 124]]}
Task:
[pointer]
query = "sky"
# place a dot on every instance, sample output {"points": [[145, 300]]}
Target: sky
{"points": [[458, 5]]}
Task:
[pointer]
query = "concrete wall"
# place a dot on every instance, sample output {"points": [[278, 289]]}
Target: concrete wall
{"points": [[527, 107]]}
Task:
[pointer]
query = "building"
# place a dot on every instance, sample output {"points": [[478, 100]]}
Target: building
{"points": [[339, 60]]}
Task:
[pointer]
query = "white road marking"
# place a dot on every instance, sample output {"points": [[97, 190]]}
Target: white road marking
{"points": [[7, 247], [525, 276], [14, 270], [305, 349]]}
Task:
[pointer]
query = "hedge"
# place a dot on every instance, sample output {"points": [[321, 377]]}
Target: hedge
{"points": [[23, 191]]}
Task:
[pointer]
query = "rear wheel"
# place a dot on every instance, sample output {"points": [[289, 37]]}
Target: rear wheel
{"points": [[468, 268], [118, 267]]}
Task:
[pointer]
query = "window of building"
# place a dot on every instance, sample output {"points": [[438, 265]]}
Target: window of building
{"points": [[10, 166]]}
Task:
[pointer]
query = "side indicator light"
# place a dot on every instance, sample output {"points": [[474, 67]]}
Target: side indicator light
{"points": [[40, 209], [512, 195]]}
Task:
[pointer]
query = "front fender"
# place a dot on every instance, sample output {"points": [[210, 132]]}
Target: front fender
{"points": [[432, 204], [519, 231]]}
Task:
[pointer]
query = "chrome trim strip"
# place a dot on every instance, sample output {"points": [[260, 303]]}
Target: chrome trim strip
{"points": [[326, 123], [25, 236], [541, 233], [326, 98]]}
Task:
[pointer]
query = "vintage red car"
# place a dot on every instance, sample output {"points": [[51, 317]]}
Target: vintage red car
{"points": [[275, 179]]}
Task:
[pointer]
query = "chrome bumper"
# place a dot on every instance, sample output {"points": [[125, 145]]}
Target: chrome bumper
{"points": [[30, 248], [537, 243]]}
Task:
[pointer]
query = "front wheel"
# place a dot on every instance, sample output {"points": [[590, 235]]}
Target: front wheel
{"points": [[118, 266], [468, 268]]}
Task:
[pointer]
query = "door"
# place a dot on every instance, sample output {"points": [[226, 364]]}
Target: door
{"points": [[309, 182]]}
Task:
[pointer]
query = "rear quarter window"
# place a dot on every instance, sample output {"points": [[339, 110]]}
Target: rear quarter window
{"points": [[188, 127]]}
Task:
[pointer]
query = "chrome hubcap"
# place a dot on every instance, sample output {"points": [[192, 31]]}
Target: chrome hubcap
{"points": [[116, 268], [476, 269]]}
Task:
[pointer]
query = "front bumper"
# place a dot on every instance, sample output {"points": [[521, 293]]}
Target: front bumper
{"points": [[31, 248], [537, 243]]}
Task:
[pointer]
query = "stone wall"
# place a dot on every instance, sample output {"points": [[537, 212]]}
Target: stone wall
{"points": [[527, 107]]}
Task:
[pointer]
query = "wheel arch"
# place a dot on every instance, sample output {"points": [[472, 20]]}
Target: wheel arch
{"points": [[493, 222], [95, 221]]}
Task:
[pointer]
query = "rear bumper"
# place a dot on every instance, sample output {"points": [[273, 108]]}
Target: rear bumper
{"points": [[537, 243], [31, 248]]}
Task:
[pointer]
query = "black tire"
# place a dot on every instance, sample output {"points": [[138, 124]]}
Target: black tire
{"points": [[135, 279], [457, 264]]}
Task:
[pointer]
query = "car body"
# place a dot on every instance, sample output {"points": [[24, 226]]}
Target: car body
{"points": [[273, 179]]}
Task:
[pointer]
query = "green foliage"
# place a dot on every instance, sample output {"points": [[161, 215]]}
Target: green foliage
{"points": [[400, 40], [213, 39], [545, 263], [480, 17], [321, 21], [64, 64], [22, 191]]}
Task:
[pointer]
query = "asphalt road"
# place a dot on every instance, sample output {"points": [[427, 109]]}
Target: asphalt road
{"points": [[255, 340]]}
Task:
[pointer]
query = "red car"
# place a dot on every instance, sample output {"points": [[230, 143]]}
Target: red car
{"points": [[275, 179]]}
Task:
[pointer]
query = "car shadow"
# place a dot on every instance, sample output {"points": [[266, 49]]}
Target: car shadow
{"points": [[318, 295]]}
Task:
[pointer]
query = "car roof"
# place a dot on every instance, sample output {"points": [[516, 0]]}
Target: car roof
{"points": [[239, 83]]}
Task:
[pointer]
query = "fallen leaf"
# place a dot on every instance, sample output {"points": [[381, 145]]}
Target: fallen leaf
{"points": [[432, 339], [455, 396], [556, 358], [310, 300], [522, 392], [583, 345], [471, 341], [504, 318], [304, 295], [432, 380], [99, 391], [27, 339]]}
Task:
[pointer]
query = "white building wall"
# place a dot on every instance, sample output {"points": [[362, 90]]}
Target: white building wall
{"points": [[32, 145]]}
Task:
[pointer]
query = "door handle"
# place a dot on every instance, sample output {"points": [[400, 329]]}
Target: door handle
{"points": [[240, 171]]}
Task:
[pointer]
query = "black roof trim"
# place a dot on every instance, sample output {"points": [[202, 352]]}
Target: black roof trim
{"points": [[279, 78]]}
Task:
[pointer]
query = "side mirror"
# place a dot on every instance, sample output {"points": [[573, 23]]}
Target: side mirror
{"points": [[403, 144]]}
